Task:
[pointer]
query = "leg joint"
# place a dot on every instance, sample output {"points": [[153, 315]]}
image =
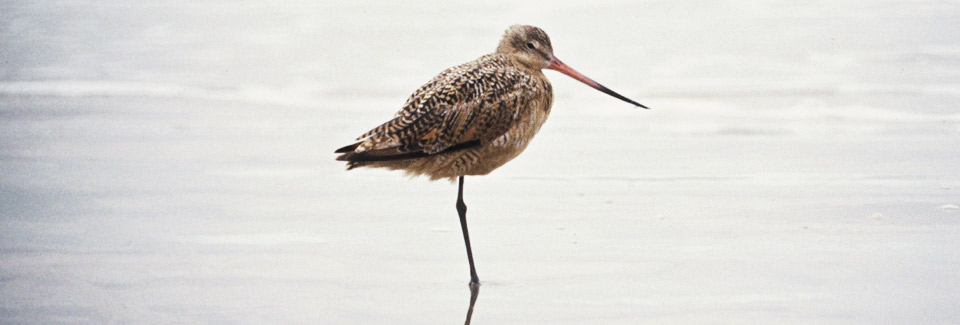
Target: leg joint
{"points": [[461, 207]]}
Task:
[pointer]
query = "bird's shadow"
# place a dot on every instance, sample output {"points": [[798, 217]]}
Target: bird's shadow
{"points": [[474, 293]]}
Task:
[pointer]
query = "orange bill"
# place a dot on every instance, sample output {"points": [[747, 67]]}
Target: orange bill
{"points": [[555, 64]]}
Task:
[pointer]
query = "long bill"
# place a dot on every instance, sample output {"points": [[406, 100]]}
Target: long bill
{"points": [[555, 64]]}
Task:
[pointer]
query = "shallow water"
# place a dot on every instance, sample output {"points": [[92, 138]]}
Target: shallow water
{"points": [[172, 162]]}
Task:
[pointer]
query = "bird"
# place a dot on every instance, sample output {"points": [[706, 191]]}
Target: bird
{"points": [[471, 118]]}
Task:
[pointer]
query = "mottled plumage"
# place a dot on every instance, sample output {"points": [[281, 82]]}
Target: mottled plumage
{"points": [[469, 120]]}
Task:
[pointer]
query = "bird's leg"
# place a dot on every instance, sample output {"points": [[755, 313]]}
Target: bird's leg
{"points": [[474, 292], [462, 210]]}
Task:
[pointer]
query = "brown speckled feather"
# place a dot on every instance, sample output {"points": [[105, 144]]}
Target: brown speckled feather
{"points": [[473, 104], [478, 100], [469, 119]]}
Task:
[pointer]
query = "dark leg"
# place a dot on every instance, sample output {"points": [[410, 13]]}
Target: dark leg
{"points": [[474, 292], [462, 210]]}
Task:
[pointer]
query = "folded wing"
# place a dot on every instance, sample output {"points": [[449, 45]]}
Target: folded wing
{"points": [[463, 107]]}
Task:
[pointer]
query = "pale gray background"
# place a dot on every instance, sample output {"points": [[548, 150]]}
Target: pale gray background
{"points": [[171, 161]]}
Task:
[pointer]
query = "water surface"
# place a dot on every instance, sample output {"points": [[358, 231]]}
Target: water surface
{"points": [[172, 162]]}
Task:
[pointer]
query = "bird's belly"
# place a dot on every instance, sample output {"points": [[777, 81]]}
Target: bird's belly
{"points": [[499, 151]]}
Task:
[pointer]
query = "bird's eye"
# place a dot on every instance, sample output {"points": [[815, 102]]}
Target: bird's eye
{"points": [[531, 46]]}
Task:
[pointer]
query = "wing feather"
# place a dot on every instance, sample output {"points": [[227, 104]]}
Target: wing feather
{"points": [[471, 103]]}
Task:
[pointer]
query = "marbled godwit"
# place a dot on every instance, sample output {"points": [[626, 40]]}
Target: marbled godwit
{"points": [[470, 119]]}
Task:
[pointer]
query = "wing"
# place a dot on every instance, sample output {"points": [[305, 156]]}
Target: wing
{"points": [[462, 107]]}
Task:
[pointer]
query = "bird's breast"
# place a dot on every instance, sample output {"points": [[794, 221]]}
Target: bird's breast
{"points": [[528, 120]]}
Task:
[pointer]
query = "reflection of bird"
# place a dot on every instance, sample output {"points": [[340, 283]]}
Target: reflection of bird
{"points": [[470, 119]]}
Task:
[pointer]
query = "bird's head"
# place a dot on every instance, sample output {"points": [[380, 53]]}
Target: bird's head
{"points": [[528, 45]]}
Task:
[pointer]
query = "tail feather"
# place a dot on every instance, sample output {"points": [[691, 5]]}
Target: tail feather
{"points": [[348, 148], [357, 159]]}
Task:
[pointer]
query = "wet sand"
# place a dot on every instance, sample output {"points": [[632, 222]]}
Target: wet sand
{"points": [[214, 211], [137, 189]]}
